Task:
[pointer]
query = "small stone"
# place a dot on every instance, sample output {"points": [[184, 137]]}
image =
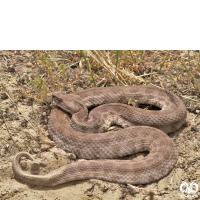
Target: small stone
{"points": [[45, 128], [48, 100], [4, 96], [45, 121], [21, 58], [80, 160], [30, 101], [71, 156], [3, 193], [194, 128], [29, 65], [27, 54], [11, 69], [44, 113], [21, 52], [24, 124]]}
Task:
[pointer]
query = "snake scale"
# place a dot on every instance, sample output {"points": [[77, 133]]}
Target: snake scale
{"points": [[80, 122]]}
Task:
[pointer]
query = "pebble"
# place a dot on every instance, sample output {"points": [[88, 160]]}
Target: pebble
{"points": [[11, 69], [4, 96], [3, 193], [29, 65], [27, 54], [194, 128], [48, 100], [44, 113], [71, 156], [21, 58]]}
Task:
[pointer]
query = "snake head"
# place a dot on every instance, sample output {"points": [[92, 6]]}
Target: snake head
{"points": [[68, 102], [58, 97]]}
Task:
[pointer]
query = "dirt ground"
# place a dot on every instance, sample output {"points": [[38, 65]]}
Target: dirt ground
{"points": [[24, 113]]}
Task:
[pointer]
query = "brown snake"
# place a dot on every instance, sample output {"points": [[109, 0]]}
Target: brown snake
{"points": [[141, 133]]}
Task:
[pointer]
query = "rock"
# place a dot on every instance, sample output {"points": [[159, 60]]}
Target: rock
{"points": [[27, 54], [29, 65], [11, 69], [4, 96]]}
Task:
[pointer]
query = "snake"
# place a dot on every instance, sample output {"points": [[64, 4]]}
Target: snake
{"points": [[80, 123]]}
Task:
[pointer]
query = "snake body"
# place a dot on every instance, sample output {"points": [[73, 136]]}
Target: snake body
{"points": [[72, 127]]}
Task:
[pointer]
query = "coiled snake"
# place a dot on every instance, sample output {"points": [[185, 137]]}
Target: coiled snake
{"points": [[72, 127]]}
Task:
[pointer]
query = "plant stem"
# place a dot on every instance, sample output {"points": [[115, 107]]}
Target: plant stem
{"points": [[82, 53]]}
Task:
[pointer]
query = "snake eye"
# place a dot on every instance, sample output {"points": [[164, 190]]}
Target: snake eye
{"points": [[58, 99]]}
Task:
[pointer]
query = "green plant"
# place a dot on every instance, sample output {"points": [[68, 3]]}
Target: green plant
{"points": [[82, 53], [41, 88]]}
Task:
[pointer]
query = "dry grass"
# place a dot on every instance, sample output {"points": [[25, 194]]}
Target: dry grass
{"points": [[113, 68]]}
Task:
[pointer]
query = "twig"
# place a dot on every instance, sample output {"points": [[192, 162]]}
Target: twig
{"points": [[195, 117], [134, 187], [148, 74], [169, 184], [162, 65], [190, 98], [4, 145], [4, 102], [103, 80], [5, 58]]}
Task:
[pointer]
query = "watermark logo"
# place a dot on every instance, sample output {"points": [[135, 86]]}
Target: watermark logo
{"points": [[189, 190]]}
